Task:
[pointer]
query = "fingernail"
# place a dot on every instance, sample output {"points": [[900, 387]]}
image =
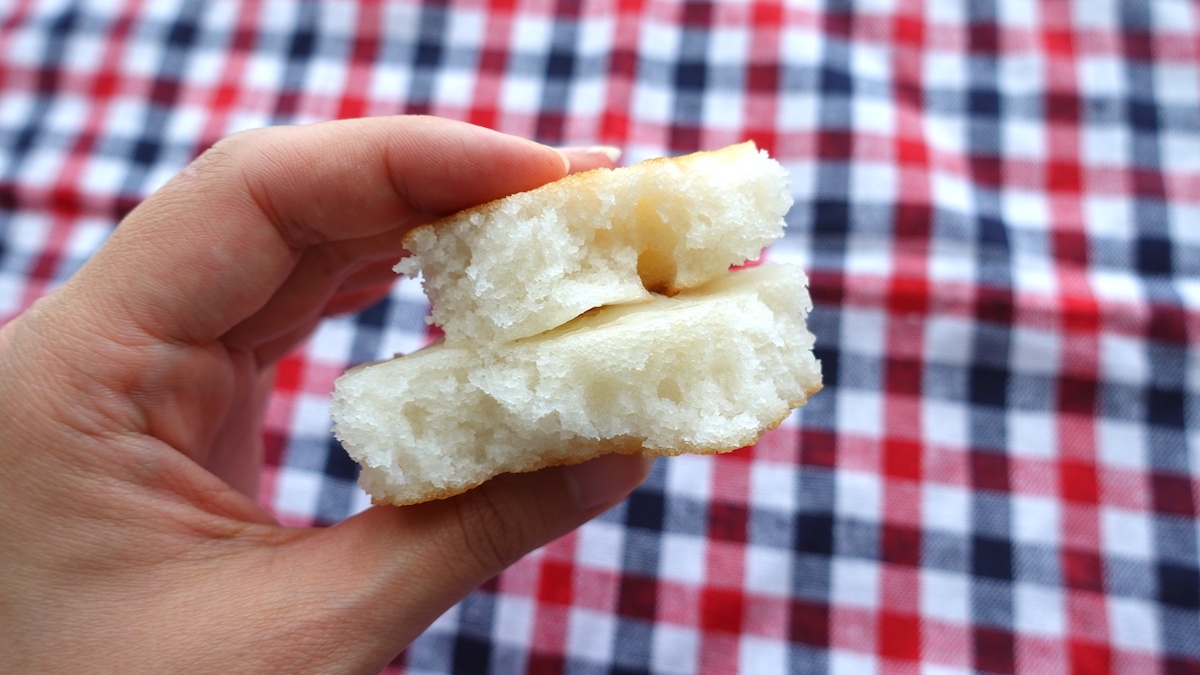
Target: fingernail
{"points": [[589, 155], [612, 152], [606, 480]]}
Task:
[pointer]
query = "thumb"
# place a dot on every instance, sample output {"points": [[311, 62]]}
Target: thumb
{"points": [[398, 568]]}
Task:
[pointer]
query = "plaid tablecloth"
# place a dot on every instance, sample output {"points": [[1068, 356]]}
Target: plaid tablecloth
{"points": [[999, 205]]}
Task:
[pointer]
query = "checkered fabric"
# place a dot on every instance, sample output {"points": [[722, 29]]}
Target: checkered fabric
{"points": [[999, 205]]}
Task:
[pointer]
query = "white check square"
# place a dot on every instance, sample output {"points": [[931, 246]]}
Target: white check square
{"points": [[388, 82], [945, 596], [652, 102], [1182, 219], [1121, 444], [102, 174], [1101, 76], [682, 558], [659, 41], [870, 62], [29, 233], [86, 237], [690, 476], [43, 166], [264, 71], [758, 655], [1104, 145], [333, 340], [1020, 74], [952, 13], [1017, 14], [868, 255], [1038, 610], [1023, 139], [11, 288], [297, 491], [944, 423], [843, 662], [946, 508], [26, 48], [673, 649], [948, 340], [514, 620], [1177, 84], [455, 87], [768, 571], [728, 46], [860, 412], [724, 109], [521, 94], [1096, 14], [1133, 623], [854, 583], [591, 635], [1036, 520], [773, 486], [1125, 533], [465, 28], [863, 331], [944, 69], [1035, 351], [531, 33], [859, 495], [1173, 17], [951, 261], [1032, 434], [311, 416], [1180, 151], [802, 47], [872, 182], [1116, 286], [599, 544], [1025, 210], [878, 116], [1109, 216]]}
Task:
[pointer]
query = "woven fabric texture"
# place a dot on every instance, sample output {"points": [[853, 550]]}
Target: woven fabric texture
{"points": [[998, 203]]}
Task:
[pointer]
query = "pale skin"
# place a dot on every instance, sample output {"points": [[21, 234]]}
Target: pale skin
{"points": [[131, 405]]}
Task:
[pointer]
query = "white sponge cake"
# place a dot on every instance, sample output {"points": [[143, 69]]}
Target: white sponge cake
{"points": [[595, 314], [705, 371], [527, 263]]}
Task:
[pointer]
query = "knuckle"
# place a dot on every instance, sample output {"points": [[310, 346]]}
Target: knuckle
{"points": [[238, 153], [261, 164], [226, 153]]}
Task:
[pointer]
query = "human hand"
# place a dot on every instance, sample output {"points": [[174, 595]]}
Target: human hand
{"points": [[131, 404]]}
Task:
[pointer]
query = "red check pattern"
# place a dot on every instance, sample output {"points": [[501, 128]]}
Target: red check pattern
{"points": [[997, 201]]}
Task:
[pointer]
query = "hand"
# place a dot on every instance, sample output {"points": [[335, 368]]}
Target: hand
{"points": [[131, 404]]}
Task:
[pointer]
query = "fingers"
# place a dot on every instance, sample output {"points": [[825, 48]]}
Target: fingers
{"points": [[212, 247], [404, 566]]}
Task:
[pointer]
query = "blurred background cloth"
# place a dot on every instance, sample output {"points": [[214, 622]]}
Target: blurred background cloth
{"points": [[998, 202]]}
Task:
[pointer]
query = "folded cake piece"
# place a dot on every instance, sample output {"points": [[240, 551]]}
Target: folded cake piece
{"points": [[530, 262], [704, 371]]}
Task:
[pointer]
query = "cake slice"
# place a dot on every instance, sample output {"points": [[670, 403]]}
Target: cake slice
{"points": [[532, 261], [705, 371]]}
